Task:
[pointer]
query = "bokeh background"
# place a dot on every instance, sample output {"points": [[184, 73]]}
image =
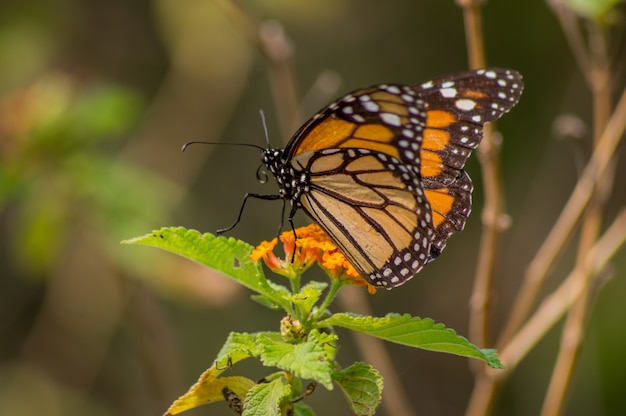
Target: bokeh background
{"points": [[96, 99]]}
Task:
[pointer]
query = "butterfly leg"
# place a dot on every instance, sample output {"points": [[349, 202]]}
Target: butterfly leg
{"points": [[292, 213], [282, 219], [267, 197]]}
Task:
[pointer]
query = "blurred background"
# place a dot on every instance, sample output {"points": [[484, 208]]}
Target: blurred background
{"points": [[96, 99]]}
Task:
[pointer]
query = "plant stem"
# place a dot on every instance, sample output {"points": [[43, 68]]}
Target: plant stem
{"points": [[573, 332], [569, 217], [330, 296], [547, 315], [493, 210]]}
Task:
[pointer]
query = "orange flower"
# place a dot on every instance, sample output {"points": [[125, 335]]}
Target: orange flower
{"points": [[311, 244]]}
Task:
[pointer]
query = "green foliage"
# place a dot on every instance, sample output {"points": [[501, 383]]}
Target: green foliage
{"points": [[307, 359], [306, 345], [265, 398], [414, 332], [56, 176], [227, 255], [362, 386]]}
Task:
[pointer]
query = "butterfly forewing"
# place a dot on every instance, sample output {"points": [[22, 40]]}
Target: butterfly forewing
{"points": [[386, 119]]}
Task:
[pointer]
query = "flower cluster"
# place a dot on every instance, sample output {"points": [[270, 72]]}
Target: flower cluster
{"points": [[310, 244]]}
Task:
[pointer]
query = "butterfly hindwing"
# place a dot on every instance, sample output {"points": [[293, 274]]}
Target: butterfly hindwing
{"points": [[371, 206], [451, 205]]}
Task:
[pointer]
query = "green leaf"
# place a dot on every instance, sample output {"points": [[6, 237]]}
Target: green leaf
{"points": [[226, 255], [237, 347], [265, 301], [362, 386], [302, 409], [264, 399], [306, 360], [414, 332], [308, 296]]}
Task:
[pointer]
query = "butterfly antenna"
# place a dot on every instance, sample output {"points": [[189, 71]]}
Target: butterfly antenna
{"points": [[267, 136], [186, 145]]}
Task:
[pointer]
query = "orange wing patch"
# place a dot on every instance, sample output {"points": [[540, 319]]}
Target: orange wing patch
{"points": [[441, 203], [435, 139], [375, 137], [431, 163], [327, 135], [474, 94], [440, 119]]}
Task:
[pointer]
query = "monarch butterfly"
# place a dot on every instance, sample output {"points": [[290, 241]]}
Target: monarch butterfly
{"points": [[381, 169]]}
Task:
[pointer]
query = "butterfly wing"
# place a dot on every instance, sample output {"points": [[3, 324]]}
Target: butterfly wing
{"points": [[375, 118], [456, 109], [429, 131], [372, 206]]}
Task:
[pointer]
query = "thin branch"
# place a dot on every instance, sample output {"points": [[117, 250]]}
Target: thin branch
{"points": [[493, 211], [472, 19], [517, 340], [546, 316], [556, 304], [572, 335], [562, 229], [573, 36]]}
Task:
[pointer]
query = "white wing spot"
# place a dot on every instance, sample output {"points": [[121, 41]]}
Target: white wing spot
{"points": [[371, 106], [391, 119], [465, 104], [448, 92], [409, 134]]}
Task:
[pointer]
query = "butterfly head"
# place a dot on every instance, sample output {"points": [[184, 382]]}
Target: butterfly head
{"points": [[291, 183]]}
